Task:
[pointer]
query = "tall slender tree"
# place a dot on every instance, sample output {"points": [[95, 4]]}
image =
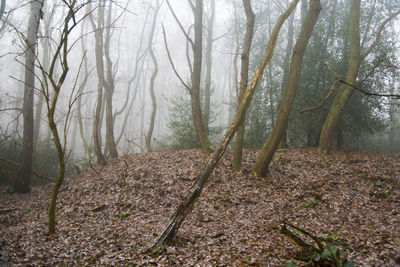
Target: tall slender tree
{"points": [[208, 66], [195, 75], [109, 86], [197, 48], [98, 35], [264, 158], [23, 179], [153, 77], [244, 77]]}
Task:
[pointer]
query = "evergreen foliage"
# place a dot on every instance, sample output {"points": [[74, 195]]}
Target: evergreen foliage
{"points": [[182, 134], [44, 160]]}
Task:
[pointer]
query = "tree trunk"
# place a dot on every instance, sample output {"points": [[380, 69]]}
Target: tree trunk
{"points": [[244, 77], [325, 142], [196, 78], [260, 167], [79, 101], [303, 12], [98, 34], [152, 79], [187, 204], [61, 164], [23, 179], [284, 142], [208, 58], [60, 56], [109, 88], [2, 8]]}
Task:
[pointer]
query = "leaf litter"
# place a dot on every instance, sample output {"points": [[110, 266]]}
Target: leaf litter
{"points": [[110, 216]]}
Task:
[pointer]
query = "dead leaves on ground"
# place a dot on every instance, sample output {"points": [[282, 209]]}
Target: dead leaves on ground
{"points": [[109, 217]]}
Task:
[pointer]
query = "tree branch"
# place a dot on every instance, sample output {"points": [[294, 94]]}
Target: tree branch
{"points": [[170, 60], [179, 23], [378, 36]]}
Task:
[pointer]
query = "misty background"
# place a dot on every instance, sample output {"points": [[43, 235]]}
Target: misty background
{"points": [[367, 123]]}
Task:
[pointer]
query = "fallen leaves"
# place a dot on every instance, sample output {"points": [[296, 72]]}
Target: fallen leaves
{"points": [[349, 196]]}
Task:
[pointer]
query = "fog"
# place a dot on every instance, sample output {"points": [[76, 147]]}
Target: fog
{"points": [[129, 54]]}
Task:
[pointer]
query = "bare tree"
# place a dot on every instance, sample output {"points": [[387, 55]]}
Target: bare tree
{"points": [[264, 158], [45, 42], [23, 179], [186, 205], [195, 76], [153, 77], [109, 86], [98, 35], [208, 66], [51, 84], [244, 77]]}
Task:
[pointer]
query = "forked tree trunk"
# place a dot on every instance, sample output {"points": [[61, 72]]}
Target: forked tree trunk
{"points": [[98, 34], [186, 205], [60, 56], [23, 179], [244, 78], [109, 87], [343, 93], [261, 165]]}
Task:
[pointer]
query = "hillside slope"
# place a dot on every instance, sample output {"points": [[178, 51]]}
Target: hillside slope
{"points": [[109, 216]]}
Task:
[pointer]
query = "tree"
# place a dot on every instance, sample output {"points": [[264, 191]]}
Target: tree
{"points": [[344, 91], [286, 63], [51, 84], [153, 77], [264, 158], [195, 75], [98, 35], [22, 181], [45, 42], [244, 76], [109, 87], [187, 204], [208, 66]]}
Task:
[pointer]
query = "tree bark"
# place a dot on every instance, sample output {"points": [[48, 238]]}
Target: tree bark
{"points": [[60, 56], [286, 62], [260, 167], [208, 59], [2, 8], [109, 88], [187, 204], [152, 79], [98, 34], [196, 78], [303, 11], [343, 93], [23, 179], [244, 77]]}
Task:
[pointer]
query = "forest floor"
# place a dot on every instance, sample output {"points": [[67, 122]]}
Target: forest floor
{"points": [[110, 215]]}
